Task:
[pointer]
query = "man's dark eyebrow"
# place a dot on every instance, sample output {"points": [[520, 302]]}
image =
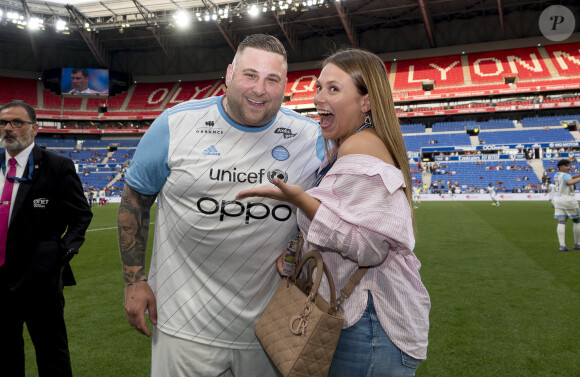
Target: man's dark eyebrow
{"points": [[251, 70]]}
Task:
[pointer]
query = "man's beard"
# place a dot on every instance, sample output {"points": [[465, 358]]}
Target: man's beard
{"points": [[16, 143]]}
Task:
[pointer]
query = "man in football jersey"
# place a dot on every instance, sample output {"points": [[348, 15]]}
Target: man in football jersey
{"points": [[212, 267], [415, 194], [565, 204], [551, 191], [493, 195]]}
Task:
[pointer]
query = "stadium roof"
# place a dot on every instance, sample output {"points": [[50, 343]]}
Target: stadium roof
{"points": [[142, 36]]}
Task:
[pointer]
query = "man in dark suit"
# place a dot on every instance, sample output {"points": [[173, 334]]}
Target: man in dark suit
{"points": [[48, 217]]}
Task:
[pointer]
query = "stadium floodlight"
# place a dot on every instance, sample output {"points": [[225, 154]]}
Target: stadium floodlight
{"points": [[253, 10], [1, 14], [182, 19], [35, 23], [60, 25], [13, 16]]}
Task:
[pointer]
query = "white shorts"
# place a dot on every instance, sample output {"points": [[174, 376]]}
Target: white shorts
{"points": [[178, 357], [563, 214]]}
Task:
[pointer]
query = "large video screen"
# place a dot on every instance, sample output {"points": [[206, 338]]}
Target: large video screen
{"points": [[85, 81]]}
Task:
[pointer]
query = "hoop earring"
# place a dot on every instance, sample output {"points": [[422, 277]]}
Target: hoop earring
{"points": [[368, 121]]}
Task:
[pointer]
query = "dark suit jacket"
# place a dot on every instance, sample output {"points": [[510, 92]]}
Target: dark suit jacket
{"points": [[48, 223]]}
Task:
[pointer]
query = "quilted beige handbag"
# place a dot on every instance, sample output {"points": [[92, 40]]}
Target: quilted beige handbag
{"points": [[299, 330]]}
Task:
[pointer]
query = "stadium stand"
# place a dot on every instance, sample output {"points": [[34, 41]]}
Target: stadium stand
{"points": [[17, 89], [416, 142], [510, 176], [301, 84], [415, 128], [444, 71], [189, 90], [565, 58], [526, 136], [51, 100], [463, 84], [451, 126], [547, 121], [149, 96], [491, 67]]}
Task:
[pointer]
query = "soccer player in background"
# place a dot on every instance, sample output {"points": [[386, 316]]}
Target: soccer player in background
{"points": [[565, 204], [551, 191], [493, 195]]}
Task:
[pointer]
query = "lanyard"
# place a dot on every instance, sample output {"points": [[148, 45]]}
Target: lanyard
{"points": [[17, 179], [321, 173]]}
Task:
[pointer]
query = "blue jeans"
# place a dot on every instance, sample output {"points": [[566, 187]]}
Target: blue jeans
{"points": [[365, 350]]}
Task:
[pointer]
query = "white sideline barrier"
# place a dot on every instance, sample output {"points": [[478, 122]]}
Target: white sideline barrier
{"points": [[447, 197], [485, 197]]}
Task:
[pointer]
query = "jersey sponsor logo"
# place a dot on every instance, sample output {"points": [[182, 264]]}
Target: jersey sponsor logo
{"points": [[287, 132], [233, 208], [245, 176], [211, 151], [209, 131], [283, 176], [236, 176], [209, 128], [280, 153]]}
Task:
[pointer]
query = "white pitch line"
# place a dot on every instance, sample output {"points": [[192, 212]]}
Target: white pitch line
{"points": [[96, 230], [99, 229]]}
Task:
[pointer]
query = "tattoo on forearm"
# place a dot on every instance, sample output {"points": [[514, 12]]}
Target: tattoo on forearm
{"points": [[133, 229]]}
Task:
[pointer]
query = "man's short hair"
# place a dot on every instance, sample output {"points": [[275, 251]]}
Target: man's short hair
{"points": [[29, 109], [84, 71], [563, 162], [263, 42]]}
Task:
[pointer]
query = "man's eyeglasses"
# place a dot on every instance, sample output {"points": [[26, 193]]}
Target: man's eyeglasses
{"points": [[15, 123]]}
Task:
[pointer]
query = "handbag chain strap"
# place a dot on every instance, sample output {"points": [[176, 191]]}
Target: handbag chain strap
{"points": [[350, 285]]}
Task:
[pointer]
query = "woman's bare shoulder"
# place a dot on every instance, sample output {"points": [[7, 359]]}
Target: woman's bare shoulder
{"points": [[366, 142]]}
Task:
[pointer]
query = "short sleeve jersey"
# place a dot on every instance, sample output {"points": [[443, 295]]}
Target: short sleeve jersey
{"points": [[564, 197], [213, 262], [552, 190]]}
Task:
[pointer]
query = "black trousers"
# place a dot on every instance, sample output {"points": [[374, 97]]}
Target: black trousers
{"points": [[41, 306]]}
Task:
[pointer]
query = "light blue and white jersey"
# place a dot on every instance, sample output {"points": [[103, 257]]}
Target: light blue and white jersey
{"points": [[552, 191], [213, 263], [564, 197]]}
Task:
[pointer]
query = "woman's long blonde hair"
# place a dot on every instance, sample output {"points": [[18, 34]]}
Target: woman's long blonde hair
{"points": [[370, 77]]}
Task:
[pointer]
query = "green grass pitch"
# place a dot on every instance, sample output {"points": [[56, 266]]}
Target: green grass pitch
{"points": [[504, 301]]}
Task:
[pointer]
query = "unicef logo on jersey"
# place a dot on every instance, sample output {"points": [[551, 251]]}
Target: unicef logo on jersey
{"points": [[280, 153], [283, 176]]}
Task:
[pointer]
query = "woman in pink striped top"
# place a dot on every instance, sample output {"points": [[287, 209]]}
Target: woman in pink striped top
{"points": [[360, 214]]}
